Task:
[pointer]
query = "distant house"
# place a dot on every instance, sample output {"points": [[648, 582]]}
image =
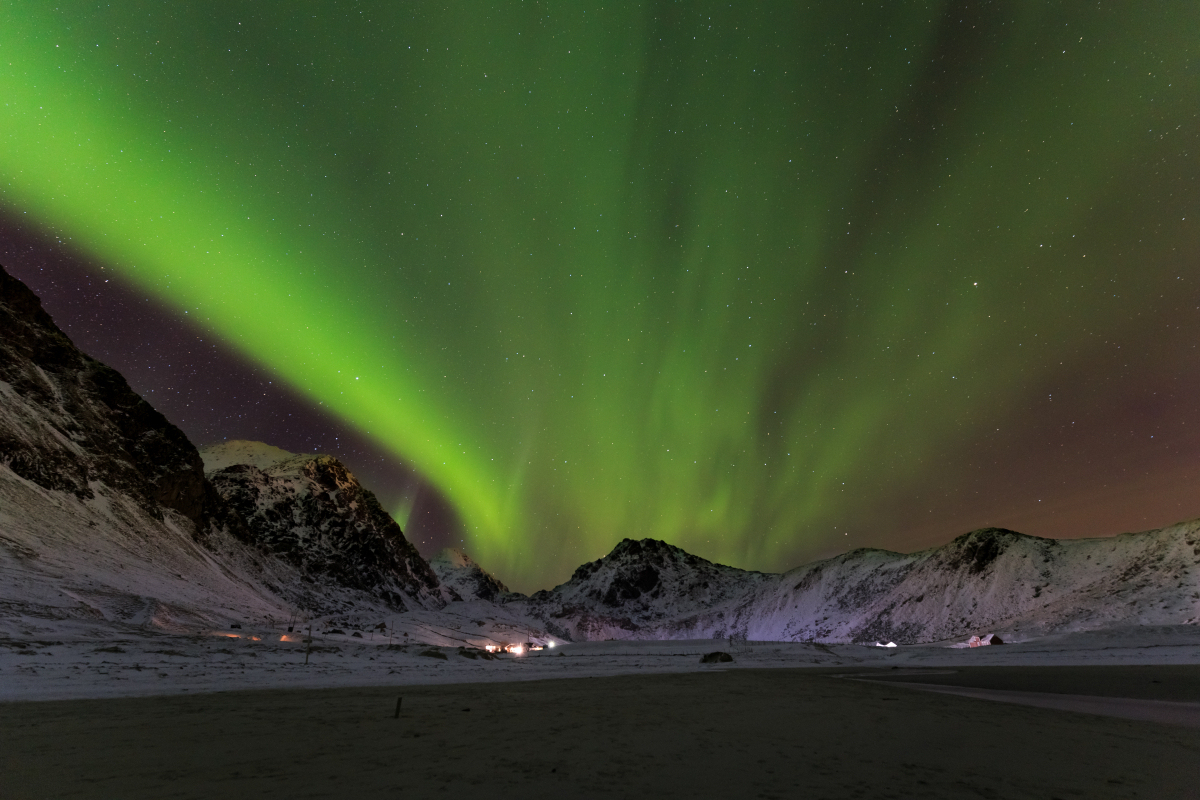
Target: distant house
{"points": [[984, 641]]}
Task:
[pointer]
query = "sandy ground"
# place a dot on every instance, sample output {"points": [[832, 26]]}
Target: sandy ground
{"points": [[1168, 682], [1162, 694], [738, 733], [105, 714], [1161, 711]]}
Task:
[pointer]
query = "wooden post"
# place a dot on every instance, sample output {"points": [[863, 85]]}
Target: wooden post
{"points": [[308, 647], [399, 700]]}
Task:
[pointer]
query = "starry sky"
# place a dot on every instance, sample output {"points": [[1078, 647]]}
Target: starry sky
{"points": [[768, 281]]}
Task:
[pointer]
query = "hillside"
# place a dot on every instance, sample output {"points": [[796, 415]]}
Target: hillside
{"points": [[990, 580]]}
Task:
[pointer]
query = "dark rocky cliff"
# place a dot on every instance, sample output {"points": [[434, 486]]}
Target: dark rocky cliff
{"points": [[312, 512], [459, 573], [68, 421]]}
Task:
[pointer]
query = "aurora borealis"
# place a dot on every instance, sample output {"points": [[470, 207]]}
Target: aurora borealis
{"points": [[763, 280]]}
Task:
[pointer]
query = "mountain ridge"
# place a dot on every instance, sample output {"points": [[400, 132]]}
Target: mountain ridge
{"points": [[990, 578], [108, 512], [106, 515]]}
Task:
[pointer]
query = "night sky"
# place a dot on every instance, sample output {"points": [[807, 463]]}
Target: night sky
{"points": [[767, 281]]}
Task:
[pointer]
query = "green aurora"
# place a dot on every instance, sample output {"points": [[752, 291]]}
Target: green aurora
{"points": [[725, 275]]}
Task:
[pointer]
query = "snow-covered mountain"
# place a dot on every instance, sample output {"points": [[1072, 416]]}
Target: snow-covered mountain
{"points": [[987, 580], [469, 581], [102, 500], [312, 512], [641, 590], [106, 516]]}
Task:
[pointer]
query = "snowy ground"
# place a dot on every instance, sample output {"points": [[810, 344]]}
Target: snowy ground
{"points": [[82, 660]]}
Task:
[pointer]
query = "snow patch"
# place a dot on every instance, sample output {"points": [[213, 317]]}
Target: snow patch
{"points": [[240, 451]]}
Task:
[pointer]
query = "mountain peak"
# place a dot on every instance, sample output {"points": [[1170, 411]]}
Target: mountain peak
{"points": [[978, 550], [630, 552], [310, 511], [991, 533], [639, 547], [639, 584], [458, 571]]}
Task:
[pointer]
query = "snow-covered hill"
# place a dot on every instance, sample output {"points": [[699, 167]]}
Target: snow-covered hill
{"points": [[311, 512], [469, 581], [988, 580], [106, 518]]}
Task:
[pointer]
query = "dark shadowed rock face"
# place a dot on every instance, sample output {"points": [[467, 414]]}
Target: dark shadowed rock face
{"points": [[313, 513], [68, 421], [978, 550]]}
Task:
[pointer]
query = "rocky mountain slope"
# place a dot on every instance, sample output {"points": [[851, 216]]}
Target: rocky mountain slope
{"points": [[68, 422], [642, 589], [987, 580], [312, 512], [102, 499], [469, 581], [106, 516]]}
